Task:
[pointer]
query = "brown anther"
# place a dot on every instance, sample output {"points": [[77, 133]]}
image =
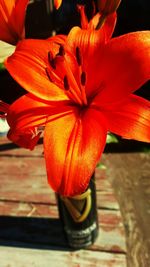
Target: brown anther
{"points": [[61, 51], [66, 83], [78, 56], [51, 60], [83, 78], [48, 74]]}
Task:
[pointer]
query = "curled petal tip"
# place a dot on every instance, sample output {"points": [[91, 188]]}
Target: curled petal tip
{"points": [[3, 109]]}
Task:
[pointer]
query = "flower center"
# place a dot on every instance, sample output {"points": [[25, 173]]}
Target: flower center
{"points": [[61, 72]]}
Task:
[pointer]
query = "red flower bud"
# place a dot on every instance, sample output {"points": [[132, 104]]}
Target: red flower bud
{"points": [[107, 7]]}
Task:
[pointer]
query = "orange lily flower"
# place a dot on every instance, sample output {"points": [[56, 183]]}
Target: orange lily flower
{"points": [[80, 87], [12, 16], [57, 3]]}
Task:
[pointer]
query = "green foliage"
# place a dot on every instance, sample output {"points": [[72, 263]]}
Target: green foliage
{"points": [[101, 166], [2, 67], [111, 138]]}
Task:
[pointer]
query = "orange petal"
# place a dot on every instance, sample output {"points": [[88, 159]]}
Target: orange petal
{"points": [[27, 112], [124, 66], [24, 116], [108, 26], [25, 139], [28, 67], [12, 16], [90, 44], [72, 149], [27, 116], [4, 107], [131, 119], [57, 3]]}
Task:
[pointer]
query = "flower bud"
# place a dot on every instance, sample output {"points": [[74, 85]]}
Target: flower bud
{"points": [[57, 3], [107, 7]]}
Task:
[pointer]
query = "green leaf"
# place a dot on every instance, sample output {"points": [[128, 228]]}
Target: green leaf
{"points": [[111, 138], [101, 166], [2, 67]]}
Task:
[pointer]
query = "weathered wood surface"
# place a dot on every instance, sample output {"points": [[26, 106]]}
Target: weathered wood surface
{"points": [[44, 258], [110, 239], [29, 215], [130, 176]]}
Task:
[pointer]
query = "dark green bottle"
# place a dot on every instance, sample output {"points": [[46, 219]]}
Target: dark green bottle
{"points": [[79, 217]]}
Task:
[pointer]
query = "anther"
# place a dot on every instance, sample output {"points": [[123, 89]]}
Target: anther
{"points": [[51, 60], [48, 74], [78, 56], [66, 83], [61, 51], [83, 78]]}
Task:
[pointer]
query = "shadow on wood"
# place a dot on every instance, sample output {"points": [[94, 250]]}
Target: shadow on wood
{"points": [[32, 233]]}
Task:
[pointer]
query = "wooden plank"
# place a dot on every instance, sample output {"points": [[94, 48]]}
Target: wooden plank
{"points": [[130, 177], [28, 182], [19, 165], [39, 218], [34, 188], [7, 148], [25, 170], [20, 257]]}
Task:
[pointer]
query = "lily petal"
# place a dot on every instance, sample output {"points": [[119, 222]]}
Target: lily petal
{"points": [[31, 56], [72, 150], [27, 116], [131, 120], [91, 44], [25, 139], [24, 116], [124, 67], [4, 107], [108, 26], [27, 112], [12, 17]]}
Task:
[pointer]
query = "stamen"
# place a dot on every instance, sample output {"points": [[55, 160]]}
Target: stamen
{"points": [[48, 74], [51, 60], [78, 56], [83, 78], [61, 51], [66, 83]]}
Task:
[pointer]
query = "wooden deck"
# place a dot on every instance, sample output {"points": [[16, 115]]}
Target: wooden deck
{"points": [[31, 232]]}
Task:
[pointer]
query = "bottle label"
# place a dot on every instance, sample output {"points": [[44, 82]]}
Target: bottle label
{"points": [[79, 217], [79, 206], [79, 238]]}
